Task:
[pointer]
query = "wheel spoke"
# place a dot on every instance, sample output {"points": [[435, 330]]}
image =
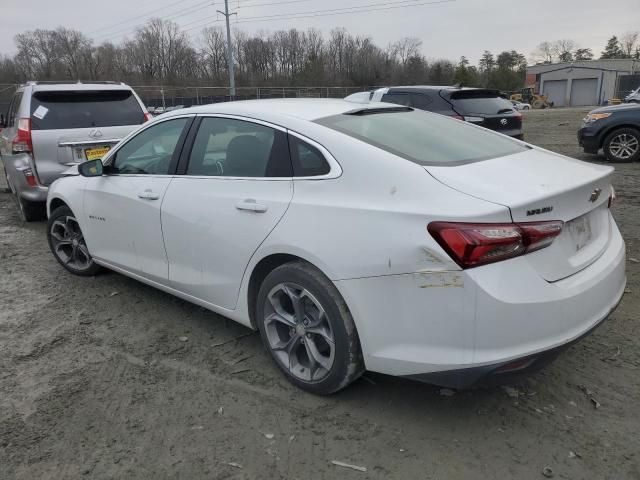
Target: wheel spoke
{"points": [[281, 312], [315, 356], [84, 251], [278, 317], [323, 332], [296, 302]]}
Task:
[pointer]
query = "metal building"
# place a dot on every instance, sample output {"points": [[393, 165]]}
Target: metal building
{"points": [[579, 83]]}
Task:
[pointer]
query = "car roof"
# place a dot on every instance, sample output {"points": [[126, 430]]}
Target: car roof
{"points": [[447, 88], [67, 87], [309, 109]]}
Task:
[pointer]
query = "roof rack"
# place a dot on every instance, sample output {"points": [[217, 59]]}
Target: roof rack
{"points": [[73, 82]]}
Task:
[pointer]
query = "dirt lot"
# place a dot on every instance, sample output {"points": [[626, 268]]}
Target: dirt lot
{"points": [[95, 383]]}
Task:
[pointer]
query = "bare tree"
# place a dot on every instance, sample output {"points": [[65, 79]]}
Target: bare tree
{"points": [[563, 49], [628, 42], [545, 52]]}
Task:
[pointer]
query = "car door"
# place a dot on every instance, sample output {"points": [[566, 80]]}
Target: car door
{"points": [[122, 207], [235, 185]]}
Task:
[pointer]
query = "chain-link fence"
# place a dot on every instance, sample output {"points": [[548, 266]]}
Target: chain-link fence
{"points": [[626, 84], [156, 96], [168, 96]]}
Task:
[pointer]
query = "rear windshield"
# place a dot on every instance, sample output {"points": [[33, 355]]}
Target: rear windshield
{"points": [[424, 138], [481, 103], [84, 109]]}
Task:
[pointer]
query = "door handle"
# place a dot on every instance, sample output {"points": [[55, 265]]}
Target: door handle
{"points": [[149, 195], [251, 205]]}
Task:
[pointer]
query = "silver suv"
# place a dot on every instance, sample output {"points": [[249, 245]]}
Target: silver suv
{"points": [[52, 126]]}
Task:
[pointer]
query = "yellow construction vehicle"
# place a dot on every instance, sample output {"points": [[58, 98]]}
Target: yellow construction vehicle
{"points": [[528, 95]]}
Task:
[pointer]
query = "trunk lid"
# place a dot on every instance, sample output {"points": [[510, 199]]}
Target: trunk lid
{"points": [[537, 185]]}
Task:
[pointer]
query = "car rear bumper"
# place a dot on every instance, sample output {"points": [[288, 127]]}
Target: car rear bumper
{"points": [[503, 373], [435, 325]]}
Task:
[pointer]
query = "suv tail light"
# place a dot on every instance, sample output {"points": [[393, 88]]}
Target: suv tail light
{"points": [[147, 117], [474, 244], [31, 179], [22, 141]]}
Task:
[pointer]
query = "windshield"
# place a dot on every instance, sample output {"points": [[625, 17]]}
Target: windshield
{"points": [[422, 137], [84, 109], [481, 104]]}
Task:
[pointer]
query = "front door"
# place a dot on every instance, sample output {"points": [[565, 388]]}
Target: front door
{"points": [[236, 187], [123, 206]]}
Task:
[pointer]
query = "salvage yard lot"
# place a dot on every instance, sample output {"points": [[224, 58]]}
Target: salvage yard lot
{"points": [[107, 378]]}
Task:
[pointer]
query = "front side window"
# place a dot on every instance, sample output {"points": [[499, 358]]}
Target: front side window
{"points": [[423, 138], [225, 147], [150, 152]]}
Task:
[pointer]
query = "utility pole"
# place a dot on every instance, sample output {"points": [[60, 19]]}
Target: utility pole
{"points": [[232, 79]]}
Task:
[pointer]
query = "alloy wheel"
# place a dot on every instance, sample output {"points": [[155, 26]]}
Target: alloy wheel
{"points": [[299, 332], [624, 146], [68, 243]]}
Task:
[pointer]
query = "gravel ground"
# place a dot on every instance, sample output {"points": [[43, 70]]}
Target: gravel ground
{"points": [[95, 383]]}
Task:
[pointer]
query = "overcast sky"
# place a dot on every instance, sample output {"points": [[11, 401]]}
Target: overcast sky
{"points": [[448, 29]]}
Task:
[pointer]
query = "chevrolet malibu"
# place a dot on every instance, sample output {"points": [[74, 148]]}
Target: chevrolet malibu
{"points": [[354, 237]]}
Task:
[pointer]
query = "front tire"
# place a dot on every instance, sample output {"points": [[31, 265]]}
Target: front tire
{"points": [[622, 145], [67, 244], [305, 324]]}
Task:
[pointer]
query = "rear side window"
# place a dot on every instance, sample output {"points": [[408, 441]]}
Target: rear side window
{"points": [[55, 110], [424, 138], [421, 101], [307, 160], [225, 147], [480, 103], [397, 98]]}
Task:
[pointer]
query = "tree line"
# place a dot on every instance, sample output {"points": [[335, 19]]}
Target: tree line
{"points": [[160, 53], [626, 46]]}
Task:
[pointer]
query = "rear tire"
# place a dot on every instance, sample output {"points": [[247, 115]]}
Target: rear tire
{"points": [[67, 244], [30, 211], [306, 326], [622, 145]]}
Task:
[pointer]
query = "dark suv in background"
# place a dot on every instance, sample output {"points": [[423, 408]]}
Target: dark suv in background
{"points": [[482, 107], [615, 130]]}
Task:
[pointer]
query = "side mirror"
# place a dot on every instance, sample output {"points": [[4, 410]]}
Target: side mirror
{"points": [[92, 168]]}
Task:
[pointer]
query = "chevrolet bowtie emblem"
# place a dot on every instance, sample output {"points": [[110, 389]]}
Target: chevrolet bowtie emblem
{"points": [[595, 195]]}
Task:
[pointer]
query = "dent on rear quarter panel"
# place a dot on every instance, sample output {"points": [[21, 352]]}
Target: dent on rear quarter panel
{"points": [[439, 279]]}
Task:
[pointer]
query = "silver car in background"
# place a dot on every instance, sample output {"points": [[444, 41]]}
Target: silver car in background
{"points": [[51, 126]]}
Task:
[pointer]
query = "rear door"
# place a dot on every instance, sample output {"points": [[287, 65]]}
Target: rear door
{"points": [[122, 208], [487, 109], [236, 186], [71, 126]]}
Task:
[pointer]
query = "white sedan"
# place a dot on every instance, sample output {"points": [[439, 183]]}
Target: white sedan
{"points": [[354, 237]]}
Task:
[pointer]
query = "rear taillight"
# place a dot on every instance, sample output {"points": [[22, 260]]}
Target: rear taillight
{"points": [[22, 141], [147, 117], [458, 117], [475, 244], [612, 198], [31, 179]]}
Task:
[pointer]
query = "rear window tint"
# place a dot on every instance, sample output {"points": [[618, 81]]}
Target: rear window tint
{"points": [[84, 109], [424, 138], [397, 98], [482, 104], [308, 161]]}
